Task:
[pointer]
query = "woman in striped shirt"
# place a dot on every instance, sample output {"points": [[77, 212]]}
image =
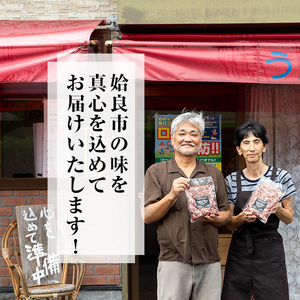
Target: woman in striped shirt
{"points": [[256, 258]]}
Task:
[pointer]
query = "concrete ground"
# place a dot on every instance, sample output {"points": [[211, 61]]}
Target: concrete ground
{"points": [[83, 295]]}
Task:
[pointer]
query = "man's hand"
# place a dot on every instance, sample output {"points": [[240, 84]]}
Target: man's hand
{"points": [[218, 220], [159, 209], [210, 218], [178, 186]]}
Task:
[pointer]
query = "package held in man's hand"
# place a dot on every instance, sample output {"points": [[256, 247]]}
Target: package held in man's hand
{"points": [[201, 198]]}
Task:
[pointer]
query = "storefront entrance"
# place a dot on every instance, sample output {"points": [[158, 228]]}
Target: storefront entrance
{"points": [[164, 98]]}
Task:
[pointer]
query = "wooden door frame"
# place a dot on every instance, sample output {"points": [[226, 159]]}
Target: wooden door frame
{"points": [[130, 280]]}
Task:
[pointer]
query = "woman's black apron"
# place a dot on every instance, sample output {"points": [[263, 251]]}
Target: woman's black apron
{"points": [[256, 258]]}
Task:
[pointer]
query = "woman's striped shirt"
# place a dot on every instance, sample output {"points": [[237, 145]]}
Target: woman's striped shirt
{"points": [[248, 185]]}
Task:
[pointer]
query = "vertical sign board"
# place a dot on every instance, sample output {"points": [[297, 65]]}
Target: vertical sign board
{"points": [[36, 229], [96, 127], [210, 151]]}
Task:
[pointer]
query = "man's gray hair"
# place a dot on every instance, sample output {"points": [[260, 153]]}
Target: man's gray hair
{"points": [[192, 117]]}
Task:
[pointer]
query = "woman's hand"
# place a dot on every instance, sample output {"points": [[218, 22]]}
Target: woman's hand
{"points": [[240, 219], [278, 207], [248, 216], [285, 211]]}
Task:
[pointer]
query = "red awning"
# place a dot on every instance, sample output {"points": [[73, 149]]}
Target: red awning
{"points": [[248, 58], [27, 46]]}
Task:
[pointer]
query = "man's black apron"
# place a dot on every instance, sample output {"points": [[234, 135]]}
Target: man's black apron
{"points": [[256, 258]]}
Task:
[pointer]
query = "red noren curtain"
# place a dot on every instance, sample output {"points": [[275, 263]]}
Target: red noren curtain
{"points": [[271, 59], [27, 46]]}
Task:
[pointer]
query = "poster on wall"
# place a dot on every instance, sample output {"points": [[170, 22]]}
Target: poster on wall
{"points": [[211, 146]]}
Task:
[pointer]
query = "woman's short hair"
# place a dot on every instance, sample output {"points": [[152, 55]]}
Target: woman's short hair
{"points": [[192, 117], [256, 128]]}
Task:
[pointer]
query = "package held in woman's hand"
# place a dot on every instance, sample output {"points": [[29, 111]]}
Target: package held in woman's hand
{"points": [[264, 199]]}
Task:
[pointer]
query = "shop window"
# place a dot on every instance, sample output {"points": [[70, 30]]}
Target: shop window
{"points": [[22, 111], [164, 98]]}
